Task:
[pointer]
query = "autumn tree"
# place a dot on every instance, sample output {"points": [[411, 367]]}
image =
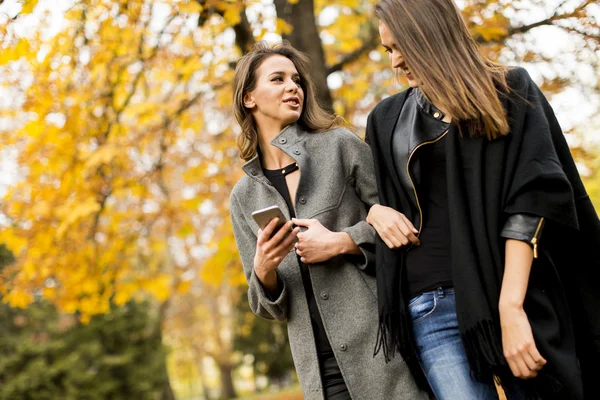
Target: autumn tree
{"points": [[119, 114]]}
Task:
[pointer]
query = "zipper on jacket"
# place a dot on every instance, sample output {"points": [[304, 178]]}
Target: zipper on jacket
{"points": [[411, 181], [535, 239]]}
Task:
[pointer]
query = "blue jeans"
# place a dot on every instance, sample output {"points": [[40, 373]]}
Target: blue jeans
{"points": [[440, 350]]}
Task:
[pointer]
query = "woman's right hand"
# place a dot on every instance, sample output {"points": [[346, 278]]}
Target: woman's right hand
{"points": [[271, 249], [394, 228]]}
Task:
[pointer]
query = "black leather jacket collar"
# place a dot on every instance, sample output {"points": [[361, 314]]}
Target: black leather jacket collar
{"points": [[419, 123]]}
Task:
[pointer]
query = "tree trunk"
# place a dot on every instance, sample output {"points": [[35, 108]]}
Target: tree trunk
{"points": [[305, 37], [167, 393], [227, 389]]}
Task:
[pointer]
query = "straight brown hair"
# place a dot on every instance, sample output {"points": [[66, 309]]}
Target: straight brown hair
{"points": [[313, 118], [435, 43]]}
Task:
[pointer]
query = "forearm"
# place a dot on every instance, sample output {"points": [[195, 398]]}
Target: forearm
{"points": [[519, 258]]}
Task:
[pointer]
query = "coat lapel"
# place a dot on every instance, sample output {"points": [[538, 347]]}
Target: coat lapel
{"points": [[385, 132]]}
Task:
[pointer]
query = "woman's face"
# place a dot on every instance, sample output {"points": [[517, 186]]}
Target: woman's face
{"points": [[278, 99], [391, 47]]}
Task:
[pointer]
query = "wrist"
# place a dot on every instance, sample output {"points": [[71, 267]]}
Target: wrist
{"points": [[347, 244], [372, 210], [340, 240], [507, 304], [267, 277]]}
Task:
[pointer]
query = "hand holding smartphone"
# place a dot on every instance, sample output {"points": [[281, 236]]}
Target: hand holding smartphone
{"points": [[265, 215]]}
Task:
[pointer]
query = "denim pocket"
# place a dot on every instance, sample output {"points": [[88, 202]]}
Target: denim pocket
{"points": [[422, 306]]}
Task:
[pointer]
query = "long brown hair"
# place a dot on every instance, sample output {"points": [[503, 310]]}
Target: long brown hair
{"points": [[313, 118], [436, 45]]}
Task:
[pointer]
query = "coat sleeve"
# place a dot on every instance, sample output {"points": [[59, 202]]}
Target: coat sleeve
{"points": [[261, 303], [538, 159], [363, 176]]}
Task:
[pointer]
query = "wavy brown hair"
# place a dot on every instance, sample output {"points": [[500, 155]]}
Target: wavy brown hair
{"points": [[436, 45], [313, 118]]}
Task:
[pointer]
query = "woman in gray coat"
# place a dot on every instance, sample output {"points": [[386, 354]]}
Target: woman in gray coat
{"points": [[314, 271]]}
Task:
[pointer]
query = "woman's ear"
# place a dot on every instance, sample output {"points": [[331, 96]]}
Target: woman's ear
{"points": [[249, 101]]}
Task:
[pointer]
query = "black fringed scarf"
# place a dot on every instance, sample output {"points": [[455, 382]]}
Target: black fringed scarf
{"points": [[529, 171]]}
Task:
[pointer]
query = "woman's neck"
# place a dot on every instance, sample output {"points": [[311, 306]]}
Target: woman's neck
{"points": [[271, 156]]}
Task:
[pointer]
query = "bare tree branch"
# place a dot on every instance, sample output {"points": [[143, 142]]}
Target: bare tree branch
{"points": [[550, 21], [369, 44], [244, 39]]}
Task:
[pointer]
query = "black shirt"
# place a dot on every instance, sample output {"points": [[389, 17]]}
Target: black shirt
{"points": [[428, 265], [277, 178]]}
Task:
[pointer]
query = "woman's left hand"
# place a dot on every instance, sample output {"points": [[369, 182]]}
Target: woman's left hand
{"points": [[316, 243], [520, 350]]}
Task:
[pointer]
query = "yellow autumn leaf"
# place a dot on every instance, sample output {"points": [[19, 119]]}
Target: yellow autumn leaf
{"points": [[159, 286], [28, 6], [18, 298], [190, 7], [14, 242], [283, 28], [80, 210], [184, 287], [232, 15]]}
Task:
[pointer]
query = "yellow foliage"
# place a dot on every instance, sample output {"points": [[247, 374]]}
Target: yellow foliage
{"points": [[158, 286], [78, 211], [18, 298], [283, 28], [102, 156], [15, 52], [183, 287], [232, 15], [190, 7], [28, 6]]}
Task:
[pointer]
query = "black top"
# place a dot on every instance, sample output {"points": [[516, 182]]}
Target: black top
{"points": [[428, 265], [277, 178]]}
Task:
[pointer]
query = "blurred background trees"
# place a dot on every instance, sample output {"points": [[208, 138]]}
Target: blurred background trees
{"points": [[118, 155]]}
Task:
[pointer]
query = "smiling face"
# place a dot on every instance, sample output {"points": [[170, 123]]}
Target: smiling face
{"points": [[391, 47], [277, 100]]}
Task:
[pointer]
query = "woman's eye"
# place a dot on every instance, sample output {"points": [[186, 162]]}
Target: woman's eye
{"points": [[277, 78]]}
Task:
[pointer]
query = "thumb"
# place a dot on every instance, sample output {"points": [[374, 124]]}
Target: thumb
{"points": [[302, 222]]}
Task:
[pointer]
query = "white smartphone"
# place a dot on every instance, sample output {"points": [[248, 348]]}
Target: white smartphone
{"points": [[265, 215]]}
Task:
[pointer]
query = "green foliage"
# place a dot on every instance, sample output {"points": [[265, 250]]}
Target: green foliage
{"points": [[266, 341], [6, 256], [47, 356]]}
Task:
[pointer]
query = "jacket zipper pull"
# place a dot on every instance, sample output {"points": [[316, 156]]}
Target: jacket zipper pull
{"points": [[535, 247], [534, 240]]}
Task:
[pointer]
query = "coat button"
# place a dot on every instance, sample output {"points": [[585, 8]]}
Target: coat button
{"points": [[324, 296], [343, 347], [436, 115], [297, 152], [282, 140], [302, 200]]}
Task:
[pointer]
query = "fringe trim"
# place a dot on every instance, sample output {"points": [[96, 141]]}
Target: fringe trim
{"points": [[393, 337], [388, 336], [483, 347]]}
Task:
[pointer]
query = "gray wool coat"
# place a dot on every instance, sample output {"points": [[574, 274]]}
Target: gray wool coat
{"points": [[337, 187]]}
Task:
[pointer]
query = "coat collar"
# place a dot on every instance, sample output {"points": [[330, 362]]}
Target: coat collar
{"points": [[288, 136]]}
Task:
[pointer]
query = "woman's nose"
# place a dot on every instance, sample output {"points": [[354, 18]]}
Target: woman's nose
{"points": [[291, 86]]}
